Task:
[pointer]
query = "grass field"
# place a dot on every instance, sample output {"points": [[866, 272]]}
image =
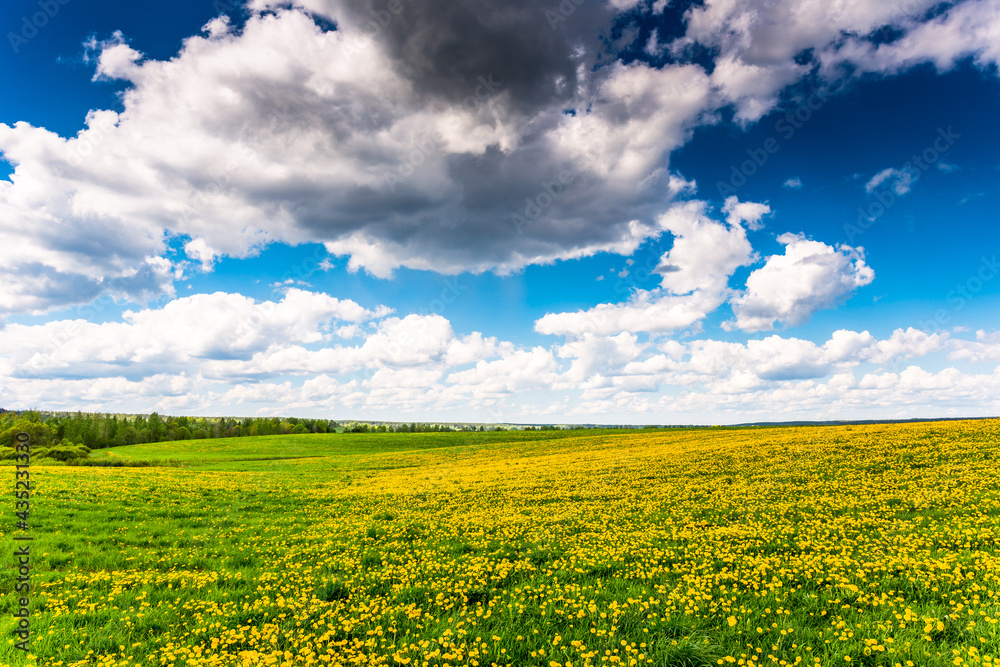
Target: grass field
{"points": [[835, 545]]}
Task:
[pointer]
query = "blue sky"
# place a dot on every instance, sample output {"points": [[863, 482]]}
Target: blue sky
{"points": [[618, 212]]}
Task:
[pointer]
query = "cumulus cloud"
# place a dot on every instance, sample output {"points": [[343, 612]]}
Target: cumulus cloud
{"points": [[455, 137], [985, 348], [966, 29], [758, 42], [790, 287], [200, 251], [792, 378], [518, 370], [748, 212], [218, 328], [115, 58], [193, 355], [443, 49], [424, 143], [727, 366], [694, 275], [597, 355], [753, 88]]}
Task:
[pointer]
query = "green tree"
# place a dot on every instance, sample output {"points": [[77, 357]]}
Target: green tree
{"points": [[39, 433], [127, 436], [157, 429]]}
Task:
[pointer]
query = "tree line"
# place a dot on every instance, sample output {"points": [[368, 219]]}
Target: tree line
{"points": [[99, 430]]}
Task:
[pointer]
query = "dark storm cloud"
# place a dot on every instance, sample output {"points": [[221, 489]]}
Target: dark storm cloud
{"points": [[449, 49], [464, 136]]}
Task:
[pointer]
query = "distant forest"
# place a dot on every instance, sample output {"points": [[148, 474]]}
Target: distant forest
{"points": [[97, 430]]}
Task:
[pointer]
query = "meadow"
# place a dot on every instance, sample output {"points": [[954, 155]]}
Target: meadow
{"points": [[828, 545]]}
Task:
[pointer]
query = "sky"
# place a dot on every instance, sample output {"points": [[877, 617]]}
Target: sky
{"points": [[555, 211]]}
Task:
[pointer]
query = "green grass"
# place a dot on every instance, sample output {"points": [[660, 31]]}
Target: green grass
{"points": [[309, 445], [361, 545]]}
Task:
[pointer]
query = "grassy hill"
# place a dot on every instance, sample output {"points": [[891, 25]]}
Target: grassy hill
{"points": [[834, 545], [197, 453]]}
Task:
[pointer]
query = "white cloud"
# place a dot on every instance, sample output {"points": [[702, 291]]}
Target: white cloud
{"points": [[845, 345], [116, 59], [361, 139], [985, 348], [348, 331], [199, 251], [794, 183], [694, 276], [211, 328], [773, 358], [898, 180], [808, 277], [907, 344], [758, 42], [642, 114], [599, 355], [653, 46], [753, 88], [409, 341], [287, 360], [706, 252], [519, 370], [966, 29], [764, 32], [283, 133], [645, 311], [748, 212]]}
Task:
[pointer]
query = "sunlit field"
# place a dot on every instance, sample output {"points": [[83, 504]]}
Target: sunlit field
{"points": [[835, 545]]}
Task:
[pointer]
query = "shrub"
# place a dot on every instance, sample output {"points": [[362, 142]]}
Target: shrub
{"points": [[64, 451]]}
